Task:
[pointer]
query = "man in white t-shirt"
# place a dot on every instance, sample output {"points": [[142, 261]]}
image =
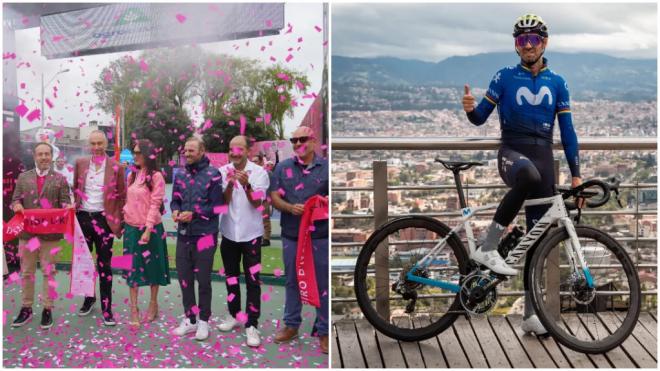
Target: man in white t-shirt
{"points": [[244, 184]]}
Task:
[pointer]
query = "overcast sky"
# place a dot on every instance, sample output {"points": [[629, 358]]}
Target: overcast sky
{"points": [[304, 18], [433, 32]]}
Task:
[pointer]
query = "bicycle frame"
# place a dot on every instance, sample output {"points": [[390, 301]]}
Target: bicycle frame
{"points": [[557, 213]]}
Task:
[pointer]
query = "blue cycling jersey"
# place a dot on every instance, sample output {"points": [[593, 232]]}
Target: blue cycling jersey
{"points": [[527, 106]]}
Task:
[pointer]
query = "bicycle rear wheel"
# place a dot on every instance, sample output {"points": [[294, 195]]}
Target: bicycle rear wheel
{"points": [[588, 320], [380, 273]]}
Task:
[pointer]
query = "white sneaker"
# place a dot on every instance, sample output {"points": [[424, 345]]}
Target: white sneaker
{"points": [[228, 323], [253, 338], [185, 328], [493, 261], [533, 324], [202, 330]]}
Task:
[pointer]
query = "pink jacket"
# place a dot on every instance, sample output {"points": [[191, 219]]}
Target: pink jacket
{"points": [[143, 207]]}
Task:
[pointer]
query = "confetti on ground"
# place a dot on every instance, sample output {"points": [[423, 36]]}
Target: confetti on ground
{"points": [[83, 342]]}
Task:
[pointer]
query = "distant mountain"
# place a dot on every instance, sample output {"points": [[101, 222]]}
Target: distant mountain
{"points": [[589, 75]]}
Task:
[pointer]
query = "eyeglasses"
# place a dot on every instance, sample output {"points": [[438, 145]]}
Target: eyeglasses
{"points": [[300, 140], [534, 39]]}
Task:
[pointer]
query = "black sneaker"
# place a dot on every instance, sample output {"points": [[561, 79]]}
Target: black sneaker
{"points": [[46, 319], [265, 243], [108, 319], [23, 317], [87, 306]]}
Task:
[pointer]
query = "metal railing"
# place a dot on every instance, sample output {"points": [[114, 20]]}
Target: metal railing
{"points": [[381, 187]]}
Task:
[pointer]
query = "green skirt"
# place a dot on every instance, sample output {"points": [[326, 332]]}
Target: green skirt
{"points": [[150, 262]]}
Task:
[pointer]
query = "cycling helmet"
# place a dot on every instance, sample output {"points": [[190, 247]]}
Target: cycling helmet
{"points": [[530, 23]]}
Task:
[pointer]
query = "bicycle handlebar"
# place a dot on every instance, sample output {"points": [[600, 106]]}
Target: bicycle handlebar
{"points": [[582, 191]]}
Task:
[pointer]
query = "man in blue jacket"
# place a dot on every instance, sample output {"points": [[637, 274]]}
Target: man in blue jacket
{"points": [[196, 200]]}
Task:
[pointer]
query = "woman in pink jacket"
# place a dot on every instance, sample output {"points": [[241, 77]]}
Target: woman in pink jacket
{"points": [[144, 236]]}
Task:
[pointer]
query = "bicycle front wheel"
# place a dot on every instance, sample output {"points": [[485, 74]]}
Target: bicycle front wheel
{"points": [[587, 318], [396, 306]]}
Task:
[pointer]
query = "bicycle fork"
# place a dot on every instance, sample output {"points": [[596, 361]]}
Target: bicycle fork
{"points": [[574, 252]]}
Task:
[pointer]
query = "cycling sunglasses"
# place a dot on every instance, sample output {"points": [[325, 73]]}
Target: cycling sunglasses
{"points": [[300, 140], [534, 39]]}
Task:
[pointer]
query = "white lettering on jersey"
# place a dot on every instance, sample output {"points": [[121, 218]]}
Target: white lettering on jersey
{"points": [[531, 98]]}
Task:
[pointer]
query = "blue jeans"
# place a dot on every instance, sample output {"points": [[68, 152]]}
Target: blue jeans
{"points": [[292, 303]]}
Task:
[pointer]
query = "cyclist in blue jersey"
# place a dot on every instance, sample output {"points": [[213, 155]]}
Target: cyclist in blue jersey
{"points": [[528, 97]]}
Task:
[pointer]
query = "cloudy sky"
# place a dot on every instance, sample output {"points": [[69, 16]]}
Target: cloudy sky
{"points": [[433, 32], [75, 92]]}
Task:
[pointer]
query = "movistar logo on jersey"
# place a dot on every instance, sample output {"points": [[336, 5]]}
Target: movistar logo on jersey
{"points": [[533, 99], [466, 211]]}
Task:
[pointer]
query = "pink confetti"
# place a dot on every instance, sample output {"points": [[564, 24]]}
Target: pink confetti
{"points": [[258, 195], [21, 109], [146, 253], [205, 242], [317, 28], [55, 251], [14, 277], [283, 76], [232, 281], [242, 317], [289, 58], [267, 118], [181, 18], [289, 173], [269, 23], [151, 114], [107, 76], [33, 244], [195, 310], [59, 134], [255, 269], [45, 204], [265, 297], [124, 262], [57, 38], [222, 209], [230, 297], [277, 272], [34, 115]]}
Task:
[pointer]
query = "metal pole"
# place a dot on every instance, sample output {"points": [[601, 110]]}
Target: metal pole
{"points": [[382, 252]]}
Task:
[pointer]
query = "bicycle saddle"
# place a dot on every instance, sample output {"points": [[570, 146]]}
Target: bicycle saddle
{"points": [[456, 166]]}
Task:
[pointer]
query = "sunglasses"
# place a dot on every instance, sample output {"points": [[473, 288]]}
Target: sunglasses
{"points": [[534, 40], [300, 140]]}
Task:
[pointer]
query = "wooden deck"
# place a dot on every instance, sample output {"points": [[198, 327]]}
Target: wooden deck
{"points": [[486, 342]]}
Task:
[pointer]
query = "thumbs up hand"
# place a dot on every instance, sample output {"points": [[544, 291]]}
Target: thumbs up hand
{"points": [[468, 100]]}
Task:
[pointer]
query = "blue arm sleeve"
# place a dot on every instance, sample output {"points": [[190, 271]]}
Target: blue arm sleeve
{"points": [[489, 102], [570, 142], [568, 136]]}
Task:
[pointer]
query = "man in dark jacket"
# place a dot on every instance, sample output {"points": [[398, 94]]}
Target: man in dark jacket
{"points": [[196, 202]]}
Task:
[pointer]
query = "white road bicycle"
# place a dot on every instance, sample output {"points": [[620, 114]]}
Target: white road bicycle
{"points": [[413, 276]]}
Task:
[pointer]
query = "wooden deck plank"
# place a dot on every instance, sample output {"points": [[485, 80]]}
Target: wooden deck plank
{"points": [[430, 348], [474, 343], [469, 341], [555, 352], [575, 326], [390, 351], [517, 355], [336, 357], [645, 339], [649, 323], [367, 336], [535, 350], [617, 356], [411, 352], [452, 350], [491, 347], [633, 348], [351, 352]]}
